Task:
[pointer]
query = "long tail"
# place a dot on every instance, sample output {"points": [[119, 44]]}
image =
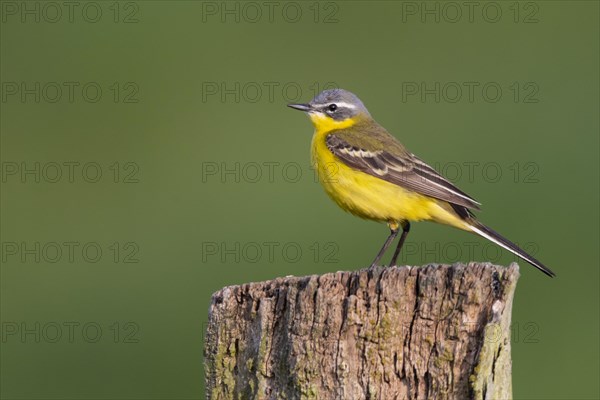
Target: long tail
{"points": [[501, 241]]}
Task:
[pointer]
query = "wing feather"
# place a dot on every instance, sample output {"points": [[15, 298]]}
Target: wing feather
{"points": [[405, 170]]}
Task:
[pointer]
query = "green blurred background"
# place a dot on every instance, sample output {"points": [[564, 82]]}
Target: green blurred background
{"points": [[206, 182]]}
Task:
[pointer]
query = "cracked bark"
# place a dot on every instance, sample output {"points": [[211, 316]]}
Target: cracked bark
{"points": [[432, 332]]}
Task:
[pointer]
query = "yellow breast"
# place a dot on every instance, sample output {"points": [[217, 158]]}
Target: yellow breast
{"points": [[369, 197]]}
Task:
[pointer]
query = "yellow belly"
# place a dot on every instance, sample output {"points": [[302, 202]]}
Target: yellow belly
{"points": [[372, 198]]}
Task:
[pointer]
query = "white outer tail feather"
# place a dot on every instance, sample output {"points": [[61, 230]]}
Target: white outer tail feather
{"points": [[494, 240]]}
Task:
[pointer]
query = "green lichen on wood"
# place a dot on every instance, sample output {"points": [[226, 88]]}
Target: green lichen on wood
{"points": [[223, 363], [487, 365], [445, 357], [492, 376]]}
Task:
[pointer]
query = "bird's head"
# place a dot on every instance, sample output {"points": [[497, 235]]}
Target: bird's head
{"points": [[334, 109]]}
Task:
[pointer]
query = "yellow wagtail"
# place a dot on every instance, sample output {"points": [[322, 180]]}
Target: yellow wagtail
{"points": [[368, 173]]}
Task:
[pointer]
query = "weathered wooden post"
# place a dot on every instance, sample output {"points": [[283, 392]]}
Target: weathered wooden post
{"points": [[431, 332]]}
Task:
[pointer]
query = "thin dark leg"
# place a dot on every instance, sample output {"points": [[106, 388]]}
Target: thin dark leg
{"points": [[387, 243], [405, 230]]}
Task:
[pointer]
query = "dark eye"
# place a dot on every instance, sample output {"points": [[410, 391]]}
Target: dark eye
{"points": [[332, 107]]}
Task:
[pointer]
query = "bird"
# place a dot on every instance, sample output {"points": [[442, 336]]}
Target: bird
{"points": [[367, 172]]}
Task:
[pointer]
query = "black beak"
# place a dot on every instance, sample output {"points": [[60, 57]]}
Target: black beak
{"points": [[301, 107]]}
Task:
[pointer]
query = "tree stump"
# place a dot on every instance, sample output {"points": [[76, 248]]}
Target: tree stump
{"points": [[431, 332]]}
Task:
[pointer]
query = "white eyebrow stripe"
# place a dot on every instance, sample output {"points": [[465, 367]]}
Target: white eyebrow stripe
{"points": [[342, 104]]}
